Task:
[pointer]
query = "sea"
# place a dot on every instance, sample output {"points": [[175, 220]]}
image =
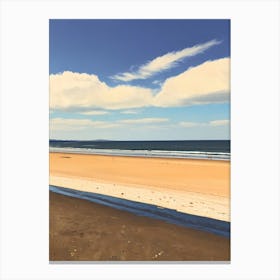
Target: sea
{"points": [[194, 149]]}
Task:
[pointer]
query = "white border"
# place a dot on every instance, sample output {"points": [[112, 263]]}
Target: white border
{"points": [[254, 133]]}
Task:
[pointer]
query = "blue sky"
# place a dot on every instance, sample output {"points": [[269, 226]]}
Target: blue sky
{"points": [[139, 79]]}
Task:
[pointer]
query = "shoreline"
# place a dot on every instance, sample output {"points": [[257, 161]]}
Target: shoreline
{"points": [[147, 155]]}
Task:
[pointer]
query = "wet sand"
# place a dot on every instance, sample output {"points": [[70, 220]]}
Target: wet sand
{"points": [[85, 231]]}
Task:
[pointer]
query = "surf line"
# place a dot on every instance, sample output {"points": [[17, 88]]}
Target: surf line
{"points": [[215, 226]]}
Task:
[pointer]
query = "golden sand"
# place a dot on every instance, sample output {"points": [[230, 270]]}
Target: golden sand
{"points": [[200, 187]]}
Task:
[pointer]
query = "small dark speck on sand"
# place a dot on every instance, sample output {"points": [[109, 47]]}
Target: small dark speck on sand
{"points": [[65, 157]]}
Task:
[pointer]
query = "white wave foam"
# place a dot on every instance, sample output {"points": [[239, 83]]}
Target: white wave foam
{"points": [[145, 153]]}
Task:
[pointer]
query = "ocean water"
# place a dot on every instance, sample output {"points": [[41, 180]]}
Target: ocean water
{"points": [[201, 149]]}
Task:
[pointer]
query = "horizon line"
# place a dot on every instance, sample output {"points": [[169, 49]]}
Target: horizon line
{"points": [[140, 140]]}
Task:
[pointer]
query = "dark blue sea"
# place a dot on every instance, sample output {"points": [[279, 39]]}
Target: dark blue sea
{"points": [[202, 149]]}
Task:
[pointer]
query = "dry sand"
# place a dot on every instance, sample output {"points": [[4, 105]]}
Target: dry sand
{"points": [[85, 231], [199, 187]]}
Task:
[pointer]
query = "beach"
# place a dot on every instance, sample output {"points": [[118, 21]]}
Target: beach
{"points": [[197, 187]]}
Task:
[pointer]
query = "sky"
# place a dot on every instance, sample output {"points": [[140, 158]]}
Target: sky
{"points": [[139, 79]]}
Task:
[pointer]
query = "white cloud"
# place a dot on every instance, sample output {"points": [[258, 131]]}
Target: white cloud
{"points": [[189, 124], [210, 123], [129, 112], [164, 62], [68, 124], [144, 121], [157, 82], [94, 113], [219, 122], [145, 128], [62, 124], [208, 82], [83, 91]]}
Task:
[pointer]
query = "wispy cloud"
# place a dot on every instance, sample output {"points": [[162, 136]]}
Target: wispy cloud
{"points": [[129, 112], [62, 124], [219, 123], [94, 113], [189, 124], [70, 124], [210, 123], [164, 62], [144, 121], [157, 82]]}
